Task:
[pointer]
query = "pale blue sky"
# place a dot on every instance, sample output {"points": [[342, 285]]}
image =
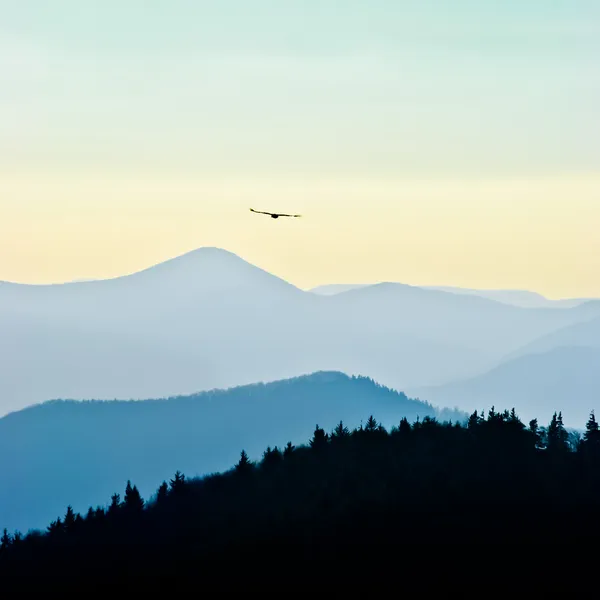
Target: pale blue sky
{"points": [[384, 86], [98, 99]]}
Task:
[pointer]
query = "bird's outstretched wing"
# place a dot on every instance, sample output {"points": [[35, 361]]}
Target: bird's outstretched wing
{"points": [[262, 212]]}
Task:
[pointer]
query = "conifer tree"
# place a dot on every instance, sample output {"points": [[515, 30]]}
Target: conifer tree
{"points": [[591, 438], [288, 450], [405, 427], [536, 434], [5, 541], [177, 484], [244, 465], [56, 527], [557, 436], [473, 421], [272, 457], [115, 505], [340, 432], [562, 432], [592, 431], [70, 520], [429, 422], [319, 439], [133, 499], [162, 493], [371, 425], [514, 420]]}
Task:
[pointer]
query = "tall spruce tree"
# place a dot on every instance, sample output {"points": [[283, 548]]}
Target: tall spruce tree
{"points": [[557, 436], [5, 541], [162, 493], [320, 439], [177, 484], [244, 466], [133, 501], [70, 520]]}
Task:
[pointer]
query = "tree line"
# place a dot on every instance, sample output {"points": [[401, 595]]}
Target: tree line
{"points": [[488, 480]]}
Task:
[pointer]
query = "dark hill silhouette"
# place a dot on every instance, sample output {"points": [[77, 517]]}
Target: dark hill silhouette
{"points": [[70, 451], [366, 495]]}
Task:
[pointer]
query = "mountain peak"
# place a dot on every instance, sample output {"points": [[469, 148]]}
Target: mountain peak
{"points": [[208, 268], [203, 253]]}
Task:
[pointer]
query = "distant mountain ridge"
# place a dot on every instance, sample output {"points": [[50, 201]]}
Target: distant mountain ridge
{"points": [[586, 333], [209, 319], [72, 451], [565, 378], [521, 298], [206, 264], [337, 288]]}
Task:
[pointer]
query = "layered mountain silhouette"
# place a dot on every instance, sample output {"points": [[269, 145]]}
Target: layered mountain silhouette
{"points": [[565, 378], [208, 319], [337, 288], [585, 334], [522, 298], [68, 452]]}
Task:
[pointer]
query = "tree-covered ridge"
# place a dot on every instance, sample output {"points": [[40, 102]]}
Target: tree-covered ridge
{"points": [[346, 491], [75, 452]]}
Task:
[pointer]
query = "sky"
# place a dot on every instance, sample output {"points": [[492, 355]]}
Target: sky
{"points": [[427, 142]]}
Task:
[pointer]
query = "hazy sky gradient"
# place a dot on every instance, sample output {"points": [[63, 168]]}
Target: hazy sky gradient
{"points": [[426, 142]]}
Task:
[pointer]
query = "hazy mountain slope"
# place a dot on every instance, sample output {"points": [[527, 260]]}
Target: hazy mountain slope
{"points": [[209, 319], [209, 272], [564, 379], [466, 322], [336, 288], [202, 320], [408, 336], [586, 333], [82, 452], [521, 298]]}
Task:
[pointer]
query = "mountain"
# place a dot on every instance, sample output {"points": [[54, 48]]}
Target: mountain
{"points": [[563, 379], [336, 288], [193, 322], [64, 452], [414, 334], [209, 319], [521, 298], [586, 333], [329, 502]]}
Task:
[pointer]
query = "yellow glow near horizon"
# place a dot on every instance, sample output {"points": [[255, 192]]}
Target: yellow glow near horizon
{"points": [[128, 138], [530, 233]]}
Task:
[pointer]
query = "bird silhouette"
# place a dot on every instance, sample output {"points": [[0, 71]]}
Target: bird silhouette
{"points": [[274, 215]]}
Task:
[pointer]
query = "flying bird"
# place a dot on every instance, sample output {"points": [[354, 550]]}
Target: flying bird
{"points": [[274, 215]]}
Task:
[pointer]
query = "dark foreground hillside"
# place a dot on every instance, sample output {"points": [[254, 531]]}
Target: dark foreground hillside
{"points": [[74, 452], [366, 494]]}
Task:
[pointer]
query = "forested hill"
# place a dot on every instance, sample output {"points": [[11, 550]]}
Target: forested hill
{"points": [[76, 452], [368, 493]]}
